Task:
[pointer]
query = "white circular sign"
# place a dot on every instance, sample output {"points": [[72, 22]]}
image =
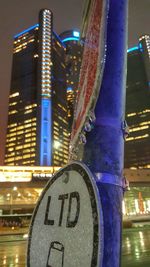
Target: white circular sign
{"points": [[66, 227]]}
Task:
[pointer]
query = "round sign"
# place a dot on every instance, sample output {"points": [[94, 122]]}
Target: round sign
{"points": [[66, 227]]}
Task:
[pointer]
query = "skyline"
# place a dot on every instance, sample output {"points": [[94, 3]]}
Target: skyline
{"points": [[66, 16]]}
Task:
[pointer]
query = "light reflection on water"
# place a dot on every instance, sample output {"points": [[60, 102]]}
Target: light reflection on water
{"points": [[135, 250], [12, 254]]}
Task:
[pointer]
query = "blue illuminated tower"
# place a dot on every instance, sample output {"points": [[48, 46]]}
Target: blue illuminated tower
{"points": [[74, 50], [37, 132], [137, 146]]}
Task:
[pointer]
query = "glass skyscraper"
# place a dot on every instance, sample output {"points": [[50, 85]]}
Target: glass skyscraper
{"points": [[37, 132], [137, 146], [74, 50]]}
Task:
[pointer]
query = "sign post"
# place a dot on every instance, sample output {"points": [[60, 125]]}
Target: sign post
{"points": [[67, 224], [104, 151]]}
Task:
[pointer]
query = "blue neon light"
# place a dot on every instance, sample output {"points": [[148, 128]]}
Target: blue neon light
{"points": [[27, 30], [69, 89], [133, 49], [140, 46], [46, 129], [76, 34], [70, 39]]}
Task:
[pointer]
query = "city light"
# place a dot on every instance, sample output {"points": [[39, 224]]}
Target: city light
{"points": [[46, 115], [69, 89], [76, 34], [27, 30], [57, 144], [15, 188], [136, 205], [70, 39], [123, 207], [24, 174], [133, 49]]}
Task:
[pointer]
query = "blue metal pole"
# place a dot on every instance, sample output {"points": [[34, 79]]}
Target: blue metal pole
{"points": [[104, 150]]}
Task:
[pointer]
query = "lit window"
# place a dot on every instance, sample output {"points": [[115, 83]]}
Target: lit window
{"points": [[14, 95]]}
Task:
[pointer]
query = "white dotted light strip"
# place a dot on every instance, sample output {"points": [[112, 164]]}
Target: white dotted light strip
{"points": [[46, 54], [147, 38]]}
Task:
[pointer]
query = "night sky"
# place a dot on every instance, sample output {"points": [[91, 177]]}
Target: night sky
{"points": [[17, 15]]}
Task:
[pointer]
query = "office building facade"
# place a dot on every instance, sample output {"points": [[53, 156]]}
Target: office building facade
{"points": [[137, 146], [74, 50], [37, 133]]}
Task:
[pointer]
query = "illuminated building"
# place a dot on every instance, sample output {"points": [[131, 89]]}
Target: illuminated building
{"points": [[21, 186], [137, 146], [137, 198], [74, 49], [15, 174], [37, 133]]}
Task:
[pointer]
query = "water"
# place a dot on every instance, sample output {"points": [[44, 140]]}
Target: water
{"points": [[135, 249]]}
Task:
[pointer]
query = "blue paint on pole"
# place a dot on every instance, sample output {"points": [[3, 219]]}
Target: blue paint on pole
{"points": [[104, 150]]}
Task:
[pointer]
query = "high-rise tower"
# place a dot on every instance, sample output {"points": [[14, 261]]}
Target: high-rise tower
{"points": [[74, 50], [37, 131], [137, 146]]}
